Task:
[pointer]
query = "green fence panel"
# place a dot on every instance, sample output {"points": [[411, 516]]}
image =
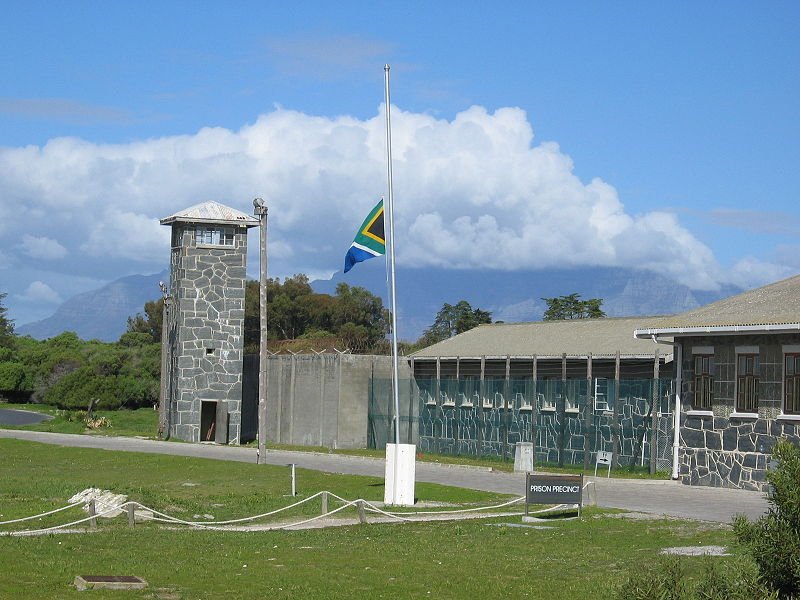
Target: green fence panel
{"points": [[564, 419]]}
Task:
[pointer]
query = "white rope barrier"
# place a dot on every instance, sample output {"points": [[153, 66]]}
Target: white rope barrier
{"points": [[318, 517], [170, 519], [266, 514], [462, 510], [40, 515], [161, 517], [64, 525]]}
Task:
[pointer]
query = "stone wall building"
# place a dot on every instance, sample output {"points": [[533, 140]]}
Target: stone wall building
{"points": [[738, 378], [205, 332]]}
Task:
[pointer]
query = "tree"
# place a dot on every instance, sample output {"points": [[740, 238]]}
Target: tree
{"points": [[151, 322], [572, 307], [295, 311], [452, 320], [287, 307], [6, 326], [12, 376], [358, 306]]}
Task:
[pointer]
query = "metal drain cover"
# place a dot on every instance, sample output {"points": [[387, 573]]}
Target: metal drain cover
{"points": [[109, 582]]}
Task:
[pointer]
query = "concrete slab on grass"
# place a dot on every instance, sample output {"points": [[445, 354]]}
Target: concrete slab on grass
{"points": [[109, 582]]}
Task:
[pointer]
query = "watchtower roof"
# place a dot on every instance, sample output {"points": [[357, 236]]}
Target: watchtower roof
{"points": [[211, 212]]}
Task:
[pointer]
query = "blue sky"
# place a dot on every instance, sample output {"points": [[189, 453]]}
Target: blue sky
{"points": [[674, 126]]}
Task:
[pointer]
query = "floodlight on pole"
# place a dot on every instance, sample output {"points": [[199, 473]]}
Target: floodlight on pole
{"points": [[260, 210]]}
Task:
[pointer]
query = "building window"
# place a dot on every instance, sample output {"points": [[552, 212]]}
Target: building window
{"points": [[703, 381], [601, 390], [213, 236], [791, 404], [748, 367]]}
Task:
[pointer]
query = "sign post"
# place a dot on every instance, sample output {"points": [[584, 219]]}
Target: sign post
{"points": [[543, 488]]}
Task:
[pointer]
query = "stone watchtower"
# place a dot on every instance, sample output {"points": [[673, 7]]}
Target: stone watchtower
{"points": [[206, 323]]}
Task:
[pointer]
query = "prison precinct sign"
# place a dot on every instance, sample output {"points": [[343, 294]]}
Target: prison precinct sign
{"points": [[544, 488]]}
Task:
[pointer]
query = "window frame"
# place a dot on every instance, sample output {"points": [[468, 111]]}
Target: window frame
{"points": [[748, 383], [221, 237], [703, 381], [791, 383], [601, 400]]}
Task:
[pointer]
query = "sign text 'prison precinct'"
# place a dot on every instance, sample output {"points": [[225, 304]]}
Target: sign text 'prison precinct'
{"points": [[553, 489]]}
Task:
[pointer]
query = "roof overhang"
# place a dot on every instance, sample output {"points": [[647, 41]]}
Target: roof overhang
{"points": [[641, 356], [224, 222], [773, 328]]}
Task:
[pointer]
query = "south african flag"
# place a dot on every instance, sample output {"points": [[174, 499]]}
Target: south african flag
{"points": [[370, 240]]}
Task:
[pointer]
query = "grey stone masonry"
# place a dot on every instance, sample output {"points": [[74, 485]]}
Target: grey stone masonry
{"points": [[207, 285], [719, 446]]}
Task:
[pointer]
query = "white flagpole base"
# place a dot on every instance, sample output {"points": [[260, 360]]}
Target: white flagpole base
{"points": [[400, 477]]}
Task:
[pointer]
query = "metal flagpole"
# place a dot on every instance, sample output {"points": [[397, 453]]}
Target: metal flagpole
{"points": [[393, 299]]}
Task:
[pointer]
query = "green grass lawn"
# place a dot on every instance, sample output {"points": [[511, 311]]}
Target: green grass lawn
{"points": [[142, 422], [469, 559]]}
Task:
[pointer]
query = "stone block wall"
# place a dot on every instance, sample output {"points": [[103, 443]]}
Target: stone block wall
{"points": [[207, 285], [722, 452]]}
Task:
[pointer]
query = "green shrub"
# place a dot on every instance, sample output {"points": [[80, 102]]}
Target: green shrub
{"points": [[137, 392], [78, 388], [774, 539], [667, 579], [12, 376]]}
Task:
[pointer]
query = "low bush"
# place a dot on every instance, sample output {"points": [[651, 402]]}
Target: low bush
{"points": [[774, 539], [669, 579]]}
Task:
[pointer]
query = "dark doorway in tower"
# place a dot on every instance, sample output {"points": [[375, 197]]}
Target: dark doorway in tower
{"points": [[208, 421]]}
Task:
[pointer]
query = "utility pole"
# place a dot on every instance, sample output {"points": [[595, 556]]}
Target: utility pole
{"points": [[165, 399], [260, 209]]}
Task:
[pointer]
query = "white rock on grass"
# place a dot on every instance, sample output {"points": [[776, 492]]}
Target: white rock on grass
{"points": [[106, 503], [697, 551]]}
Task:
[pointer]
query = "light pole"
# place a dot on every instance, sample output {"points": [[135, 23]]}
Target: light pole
{"points": [[260, 209], [165, 400]]}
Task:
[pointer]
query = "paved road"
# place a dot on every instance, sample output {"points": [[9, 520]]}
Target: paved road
{"points": [[657, 497], [9, 416]]}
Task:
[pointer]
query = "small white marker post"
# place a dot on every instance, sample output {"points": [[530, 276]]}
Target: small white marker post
{"points": [[294, 479]]}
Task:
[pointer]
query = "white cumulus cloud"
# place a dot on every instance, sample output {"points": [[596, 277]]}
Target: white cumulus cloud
{"points": [[40, 292], [750, 271], [42, 247], [122, 234], [473, 192]]}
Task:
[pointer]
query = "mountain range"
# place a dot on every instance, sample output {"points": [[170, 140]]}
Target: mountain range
{"points": [[509, 295], [99, 314]]}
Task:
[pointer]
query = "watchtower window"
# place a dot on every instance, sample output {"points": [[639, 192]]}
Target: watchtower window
{"points": [[213, 236]]}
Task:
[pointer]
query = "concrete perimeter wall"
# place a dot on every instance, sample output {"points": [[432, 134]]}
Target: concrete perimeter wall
{"points": [[315, 399]]}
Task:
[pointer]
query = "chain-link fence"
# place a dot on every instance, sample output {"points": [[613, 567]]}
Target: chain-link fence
{"points": [[567, 420]]}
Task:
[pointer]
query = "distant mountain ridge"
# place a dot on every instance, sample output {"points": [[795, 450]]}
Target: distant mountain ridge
{"points": [[510, 296], [100, 314], [517, 295]]}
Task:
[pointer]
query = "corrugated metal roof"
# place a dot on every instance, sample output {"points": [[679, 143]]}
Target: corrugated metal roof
{"points": [[212, 212], [769, 306], [578, 337]]}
